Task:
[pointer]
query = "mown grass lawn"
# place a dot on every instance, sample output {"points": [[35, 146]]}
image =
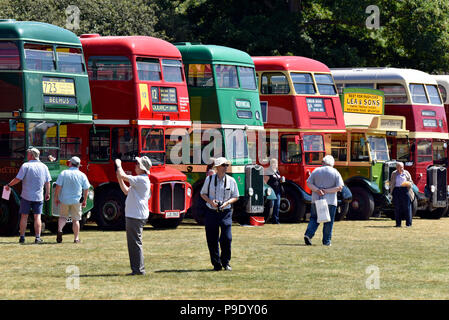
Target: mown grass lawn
{"points": [[269, 262]]}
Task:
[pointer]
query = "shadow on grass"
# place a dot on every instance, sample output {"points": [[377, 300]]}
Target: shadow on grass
{"points": [[182, 271], [102, 275], [381, 227]]}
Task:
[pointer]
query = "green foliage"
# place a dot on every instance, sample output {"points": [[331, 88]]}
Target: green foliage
{"points": [[412, 33]]}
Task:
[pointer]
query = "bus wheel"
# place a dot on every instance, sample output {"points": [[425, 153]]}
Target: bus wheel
{"points": [[292, 208], [160, 223], [9, 218], [110, 213], [198, 207], [434, 214], [342, 211], [362, 205]]}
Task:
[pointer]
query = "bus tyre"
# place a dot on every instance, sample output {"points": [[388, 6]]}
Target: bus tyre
{"points": [[292, 208], [342, 211], [197, 208], [160, 223], [110, 210], [9, 218], [362, 205], [434, 214]]}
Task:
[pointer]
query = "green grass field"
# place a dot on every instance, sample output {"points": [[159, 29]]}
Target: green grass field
{"points": [[269, 262]]}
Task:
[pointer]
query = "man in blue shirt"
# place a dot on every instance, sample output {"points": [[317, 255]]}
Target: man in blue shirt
{"points": [[324, 182], [34, 175], [70, 185]]}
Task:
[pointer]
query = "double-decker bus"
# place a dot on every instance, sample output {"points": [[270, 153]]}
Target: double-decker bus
{"points": [[413, 94], [225, 108], [300, 108], [43, 88], [362, 154], [138, 91]]}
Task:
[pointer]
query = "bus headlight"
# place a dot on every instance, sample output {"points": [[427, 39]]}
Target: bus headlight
{"points": [[432, 188], [269, 192], [251, 192], [189, 192], [90, 195], [387, 185]]}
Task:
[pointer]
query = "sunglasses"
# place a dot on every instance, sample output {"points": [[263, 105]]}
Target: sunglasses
{"points": [[225, 165]]}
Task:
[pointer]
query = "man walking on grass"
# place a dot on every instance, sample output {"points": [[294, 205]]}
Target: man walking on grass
{"points": [[70, 186], [34, 176]]}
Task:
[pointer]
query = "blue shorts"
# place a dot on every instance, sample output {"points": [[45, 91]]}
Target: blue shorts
{"points": [[26, 205]]}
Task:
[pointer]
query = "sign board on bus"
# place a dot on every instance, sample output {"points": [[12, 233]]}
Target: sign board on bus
{"points": [[58, 86], [362, 100]]}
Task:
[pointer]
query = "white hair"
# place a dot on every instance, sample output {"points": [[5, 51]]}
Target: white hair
{"points": [[328, 161], [399, 163]]}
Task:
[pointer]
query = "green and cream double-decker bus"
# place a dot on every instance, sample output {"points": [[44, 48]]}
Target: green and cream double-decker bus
{"points": [[43, 87], [225, 110]]}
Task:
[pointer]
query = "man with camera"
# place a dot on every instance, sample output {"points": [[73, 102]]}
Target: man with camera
{"points": [[220, 192]]}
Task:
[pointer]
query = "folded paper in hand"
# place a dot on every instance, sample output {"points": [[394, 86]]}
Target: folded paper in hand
{"points": [[6, 193]]}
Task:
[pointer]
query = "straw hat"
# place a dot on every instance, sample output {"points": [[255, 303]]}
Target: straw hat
{"points": [[221, 160]]}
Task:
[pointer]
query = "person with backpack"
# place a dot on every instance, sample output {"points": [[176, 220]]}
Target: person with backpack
{"points": [[219, 191]]}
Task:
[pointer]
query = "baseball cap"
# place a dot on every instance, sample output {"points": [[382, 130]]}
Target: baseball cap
{"points": [[75, 161], [221, 160], [144, 163], [36, 153]]}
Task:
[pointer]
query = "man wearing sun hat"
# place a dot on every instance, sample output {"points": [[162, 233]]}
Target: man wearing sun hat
{"points": [[219, 191], [70, 186], [136, 209], [34, 176]]}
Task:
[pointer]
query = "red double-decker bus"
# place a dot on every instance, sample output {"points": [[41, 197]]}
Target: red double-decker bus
{"points": [[300, 108], [138, 90]]}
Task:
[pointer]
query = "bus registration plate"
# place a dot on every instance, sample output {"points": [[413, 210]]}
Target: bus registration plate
{"points": [[171, 214], [58, 86]]}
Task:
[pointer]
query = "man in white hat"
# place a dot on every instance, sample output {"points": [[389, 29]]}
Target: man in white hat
{"points": [[34, 176], [136, 209], [219, 191], [70, 186]]}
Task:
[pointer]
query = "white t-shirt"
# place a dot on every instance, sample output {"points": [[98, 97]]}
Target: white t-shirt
{"points": [[136, 204]]}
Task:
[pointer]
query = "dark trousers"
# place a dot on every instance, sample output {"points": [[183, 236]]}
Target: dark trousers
{"points": [[214, 221], [277, 203], [402, 206], [134, 228]]}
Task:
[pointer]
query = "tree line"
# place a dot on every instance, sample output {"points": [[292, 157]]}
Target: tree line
{"points": [[339, 33]]}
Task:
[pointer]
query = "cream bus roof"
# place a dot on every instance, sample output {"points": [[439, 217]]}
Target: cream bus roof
{"points": [[381, 75], [376, 124]]}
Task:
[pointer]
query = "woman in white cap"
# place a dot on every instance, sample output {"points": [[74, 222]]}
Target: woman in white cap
{"points": [[220, 192], [136, 209]]}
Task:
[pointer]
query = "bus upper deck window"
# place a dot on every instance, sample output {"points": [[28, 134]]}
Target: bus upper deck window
{"points": [[109, 68], [443, 92], [148, 69], [39, 57], [303, 83], [226, 76], [325, 84], [70, 60], [394, 93], [433, 94], [172, 70], [9, 56], [247, 79], [200, 75], [274, 83], [418, 93]]}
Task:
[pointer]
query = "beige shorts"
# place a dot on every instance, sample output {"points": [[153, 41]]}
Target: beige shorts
{"points": [[72, 210]]}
